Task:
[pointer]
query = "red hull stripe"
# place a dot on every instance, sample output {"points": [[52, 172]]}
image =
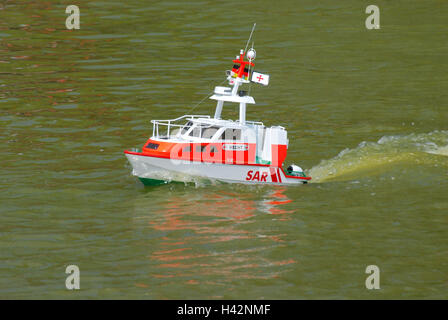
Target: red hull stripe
{"points": [[273, 175], [279, 176], [294, 177], [300, 178]]}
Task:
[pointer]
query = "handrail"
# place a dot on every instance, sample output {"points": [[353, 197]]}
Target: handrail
{"points": [[169, 123], [189, 116], [255, 122], [172, 123]]}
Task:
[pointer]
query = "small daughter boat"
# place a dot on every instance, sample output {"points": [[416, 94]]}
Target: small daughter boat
{"points": [[200, 146]]}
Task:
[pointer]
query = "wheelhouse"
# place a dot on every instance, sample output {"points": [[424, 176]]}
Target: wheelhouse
{"points": [[196, 137]]}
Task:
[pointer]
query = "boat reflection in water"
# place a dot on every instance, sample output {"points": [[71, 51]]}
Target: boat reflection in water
{"points": [[216, 237]]}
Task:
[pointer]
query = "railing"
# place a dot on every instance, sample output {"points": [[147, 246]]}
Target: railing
{"points": [[171, 123], [258, 123]]}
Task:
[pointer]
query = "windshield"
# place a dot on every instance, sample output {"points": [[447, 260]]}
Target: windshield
{"points": [[186, 127], [201, 130]]}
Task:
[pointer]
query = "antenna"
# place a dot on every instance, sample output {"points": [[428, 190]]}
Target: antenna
{"points": [[250, 37]]}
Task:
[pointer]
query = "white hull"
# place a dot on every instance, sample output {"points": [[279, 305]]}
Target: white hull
{"points": [[145, 167]]}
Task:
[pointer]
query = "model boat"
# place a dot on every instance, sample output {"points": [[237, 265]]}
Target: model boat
{"points": [[200, 146]]}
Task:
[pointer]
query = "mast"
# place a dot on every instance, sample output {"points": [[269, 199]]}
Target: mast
{"points": [[237, 77]]}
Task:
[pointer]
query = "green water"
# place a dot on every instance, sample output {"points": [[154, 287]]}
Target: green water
{"points": [[366, 113]]}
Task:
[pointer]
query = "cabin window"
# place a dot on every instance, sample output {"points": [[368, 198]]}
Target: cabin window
{"points": [[231, 134], [196, 132], [186, 149], [208, 133], [186, 127], [153, 146]]}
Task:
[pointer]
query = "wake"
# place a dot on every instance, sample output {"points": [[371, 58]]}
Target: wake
{"points": [[369, 157]]}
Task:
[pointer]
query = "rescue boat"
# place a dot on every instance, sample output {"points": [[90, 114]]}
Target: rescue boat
{"points": [[193, 147]]}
